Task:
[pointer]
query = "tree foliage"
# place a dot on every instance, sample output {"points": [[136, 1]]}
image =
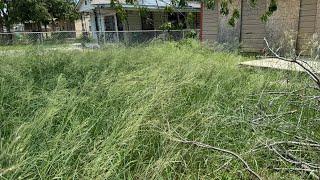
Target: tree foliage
{"points": [[5, 8], [37, 11]]}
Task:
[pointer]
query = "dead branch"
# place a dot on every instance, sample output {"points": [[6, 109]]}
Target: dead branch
{"points": [[294, 169], [312, 172], [274, 115], [295, 143], [199, 144], [303, 64], [288, 157]]}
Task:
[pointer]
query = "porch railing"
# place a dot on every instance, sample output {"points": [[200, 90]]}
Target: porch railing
{"points": [[100, 37]]}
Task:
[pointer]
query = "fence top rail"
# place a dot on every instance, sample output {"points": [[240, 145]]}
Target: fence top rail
{"points": [[131, 31]]}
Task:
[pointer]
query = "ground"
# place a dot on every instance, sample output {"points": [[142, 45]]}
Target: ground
{"points": [[125, 113], [278, 64]]}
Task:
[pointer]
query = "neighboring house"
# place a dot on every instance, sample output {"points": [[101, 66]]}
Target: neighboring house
{"points": [[83, 24], [103, 17], [300, 17]]}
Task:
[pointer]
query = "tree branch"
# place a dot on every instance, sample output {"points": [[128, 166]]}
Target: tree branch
{"points": [[312, 73], [199, 144]]}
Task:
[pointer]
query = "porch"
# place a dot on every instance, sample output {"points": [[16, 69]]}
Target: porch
{"points": [[107, 20]]}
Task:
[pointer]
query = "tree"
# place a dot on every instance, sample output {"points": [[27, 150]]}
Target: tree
{"points": [[30, 11], [41, 12], [5, 19], [62, 10]]}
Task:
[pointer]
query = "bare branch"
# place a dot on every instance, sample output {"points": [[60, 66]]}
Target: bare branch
{"points": [[293, 160], [199, 144], [295, 143], [312, 172], [274, 115], [303, 64]]}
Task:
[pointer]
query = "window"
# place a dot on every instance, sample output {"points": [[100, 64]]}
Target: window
{"points": [[178, 20], [147, 21], [109, 23]]}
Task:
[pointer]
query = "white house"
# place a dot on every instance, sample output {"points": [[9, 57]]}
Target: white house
{"points": [[102, 17]]}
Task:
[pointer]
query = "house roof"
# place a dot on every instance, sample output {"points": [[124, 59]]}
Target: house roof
{"points": [[147, 3]]}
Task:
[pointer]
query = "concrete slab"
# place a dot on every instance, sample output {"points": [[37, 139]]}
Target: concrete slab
{"points": [[274, 63]]}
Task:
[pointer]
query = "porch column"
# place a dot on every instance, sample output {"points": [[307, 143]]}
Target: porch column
{"points": [[116, 26]]}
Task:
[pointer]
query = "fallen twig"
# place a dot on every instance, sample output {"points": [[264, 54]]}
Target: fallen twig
{"points": [[295, 169], [312, 172], [274, 115], [295, 143], [293, 160], [303, 64], [199, 144]]}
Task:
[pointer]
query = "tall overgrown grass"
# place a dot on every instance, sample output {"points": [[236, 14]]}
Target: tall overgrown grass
{"points": [[115, 113]]}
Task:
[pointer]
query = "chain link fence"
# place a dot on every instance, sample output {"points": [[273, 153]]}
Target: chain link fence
{"points": [[98, 37]]}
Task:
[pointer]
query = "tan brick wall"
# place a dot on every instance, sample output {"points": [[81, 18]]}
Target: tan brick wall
{"points": [[285, 20], [216, 27], [227, 33]]}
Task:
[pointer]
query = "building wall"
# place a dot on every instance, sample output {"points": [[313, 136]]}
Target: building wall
{"points": [[216, 27], [227, 33], [86, 23], [159, 19], [317, 30], [210, 25], [84, 7], [134, 21], [253, 30], [284, 23]]}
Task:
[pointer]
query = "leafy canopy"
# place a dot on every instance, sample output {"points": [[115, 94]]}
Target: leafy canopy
{"points": [[39, 11]]}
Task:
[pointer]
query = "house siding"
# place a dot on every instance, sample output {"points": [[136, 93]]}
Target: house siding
{"points": [[252, 29], [210, 25], [85, 7], [307, 23], [134, 20], [317, 28], [227, 33], [159, 19], [284, 21]]}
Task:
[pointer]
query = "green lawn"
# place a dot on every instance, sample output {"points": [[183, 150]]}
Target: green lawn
{"points": [[119, 112]]}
